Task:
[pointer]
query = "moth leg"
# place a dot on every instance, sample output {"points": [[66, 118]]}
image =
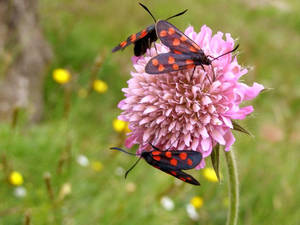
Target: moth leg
{"points": [[173, 142], [214, 75], [193, 72], [153, 45], [207, 76], [149, 45], [155, 48], [202, 67]]}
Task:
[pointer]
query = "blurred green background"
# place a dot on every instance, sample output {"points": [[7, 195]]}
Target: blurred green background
{"points": [[95, 191]]}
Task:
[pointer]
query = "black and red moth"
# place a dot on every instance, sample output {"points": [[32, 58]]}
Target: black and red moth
{"points": [[143, 39], [184, 52], [170, 162]]}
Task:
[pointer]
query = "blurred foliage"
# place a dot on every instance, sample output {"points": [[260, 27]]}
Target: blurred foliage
{"points": [[79, 32]]}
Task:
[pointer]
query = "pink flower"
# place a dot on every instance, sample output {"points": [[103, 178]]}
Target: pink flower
{"points": [[174, 111]]}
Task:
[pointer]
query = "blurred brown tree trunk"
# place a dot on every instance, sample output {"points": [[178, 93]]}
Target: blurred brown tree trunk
{"points": [[24, 56]]}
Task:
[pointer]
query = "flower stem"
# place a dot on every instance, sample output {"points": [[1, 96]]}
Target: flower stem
{"points": [[233, 188]]}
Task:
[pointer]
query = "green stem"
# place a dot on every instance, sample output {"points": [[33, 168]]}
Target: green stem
{"points": [[233, 188]]}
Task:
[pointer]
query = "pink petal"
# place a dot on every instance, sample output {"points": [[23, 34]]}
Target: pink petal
{"points": [[130, 141], [146, 99], [206, 144], [147, 134], [203, 132], [195, 143], [252, 92], [201, 165], [134, 59], [206, 100], [139, 107], [242, 113], [227, 122], [144, 121], [190, 32], [216, 134], [150, 109], [229, 138], [121, 103], [196, 107], [187, 139]]}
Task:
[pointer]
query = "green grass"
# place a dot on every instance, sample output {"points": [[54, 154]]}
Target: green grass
{"points": [[78, 31]]}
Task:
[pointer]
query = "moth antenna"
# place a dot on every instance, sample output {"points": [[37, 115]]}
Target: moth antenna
{"points": [[132, 167], [154, 147], [148, 11], [122, 150], [178, 14], [173, 142], [236, 47]]}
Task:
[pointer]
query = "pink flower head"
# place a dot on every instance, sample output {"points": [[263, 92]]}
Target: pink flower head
{"points": [[177, 111]]}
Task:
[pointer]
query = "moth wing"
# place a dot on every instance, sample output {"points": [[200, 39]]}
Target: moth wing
{"points": [[122, 45], [162, 161], [181, 176], [187, 159], [174, 160], [173, 38], [144, 34], [140, 47], [169, 62]]}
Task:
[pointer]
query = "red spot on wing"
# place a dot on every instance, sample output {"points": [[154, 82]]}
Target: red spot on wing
{"points": [[154, 62], [196, 46], [191, 66], [173, 162], [143, 33], [171, 31], [188, 178], [175, 67], [161, 68], [182, 178], [192, 49], [176, 42], [168, 154], [157, 158], [177, 52], [183, 155], [133, 38], [190, 162], [183, 38], [174, 173], [163, 33], [123, 43], [155, 153], [189, 61], [171, 60]]}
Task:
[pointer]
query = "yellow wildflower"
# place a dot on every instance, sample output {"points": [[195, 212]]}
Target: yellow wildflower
{"points": [[61, 76], [126, 129], [16, 178], [209, 174], [197, 202], [97, 166], [120, 126], [100, 86]]}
